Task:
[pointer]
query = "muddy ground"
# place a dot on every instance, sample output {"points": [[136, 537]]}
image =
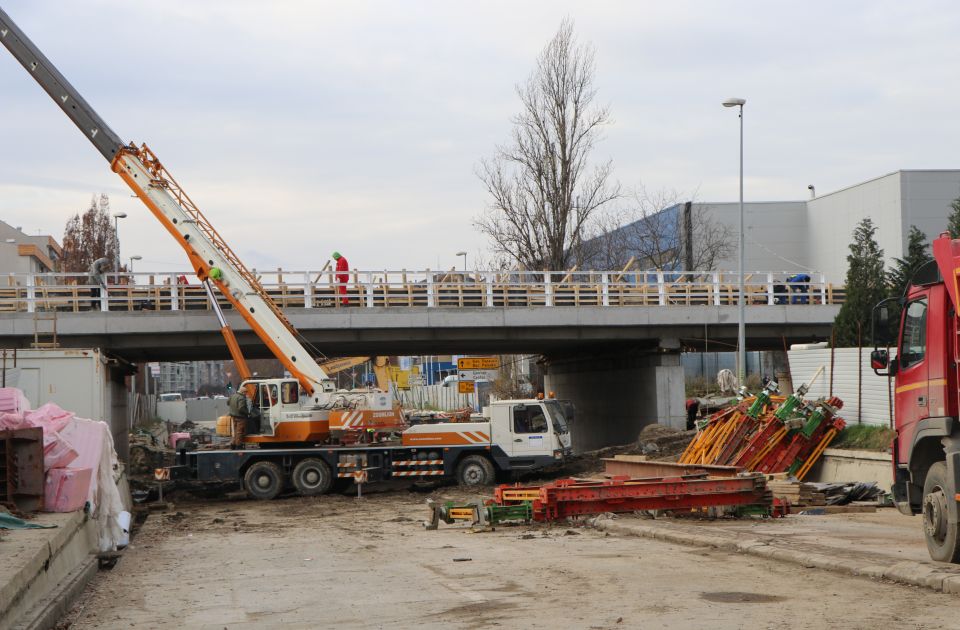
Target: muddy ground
{"points": [[338, 562]]}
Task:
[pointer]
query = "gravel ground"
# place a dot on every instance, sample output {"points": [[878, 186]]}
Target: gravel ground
{"points": [[338, 562]]}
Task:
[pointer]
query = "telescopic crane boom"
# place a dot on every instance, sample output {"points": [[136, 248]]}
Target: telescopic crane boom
{"points": [[155, 186]]}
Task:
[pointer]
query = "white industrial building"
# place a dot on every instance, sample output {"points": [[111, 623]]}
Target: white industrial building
{"points": [[814, 235]]}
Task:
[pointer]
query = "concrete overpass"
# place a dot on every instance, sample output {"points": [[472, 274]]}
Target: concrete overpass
{"points": [[611, 341], [139, 336]]}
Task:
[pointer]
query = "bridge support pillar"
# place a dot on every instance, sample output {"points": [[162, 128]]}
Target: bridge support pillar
{"points": [[618, 394]]}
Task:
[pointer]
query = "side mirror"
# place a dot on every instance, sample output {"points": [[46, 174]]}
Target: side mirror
{"points": [[879, 359]]}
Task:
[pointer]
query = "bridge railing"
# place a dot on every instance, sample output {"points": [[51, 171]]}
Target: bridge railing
{"points": [[434, 289]]}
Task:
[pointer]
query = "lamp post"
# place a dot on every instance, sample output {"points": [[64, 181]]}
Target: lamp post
{"points": [[464, 254], [133, 258], [116, 235], [741, 304]]}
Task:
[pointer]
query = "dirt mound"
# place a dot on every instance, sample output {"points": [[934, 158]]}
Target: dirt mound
{"points": [[661, 442], [656, 431]]}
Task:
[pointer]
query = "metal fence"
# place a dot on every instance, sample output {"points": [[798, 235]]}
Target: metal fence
{"points": [[404, 289]]}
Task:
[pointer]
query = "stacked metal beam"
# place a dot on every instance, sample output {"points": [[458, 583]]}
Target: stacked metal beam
{"points": [[768, 433], [579, 497]]}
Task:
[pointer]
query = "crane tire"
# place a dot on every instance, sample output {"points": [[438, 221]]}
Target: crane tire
{"points": [[474, 471], [263, 480], [943, 537], [312, 477]]}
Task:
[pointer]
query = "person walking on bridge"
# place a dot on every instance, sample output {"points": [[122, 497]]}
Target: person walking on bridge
{"points": [[342, 277]]}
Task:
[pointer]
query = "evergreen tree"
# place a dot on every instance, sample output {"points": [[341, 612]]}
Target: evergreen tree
{"points": [[866, 285], [918, 253], [953, 221]]}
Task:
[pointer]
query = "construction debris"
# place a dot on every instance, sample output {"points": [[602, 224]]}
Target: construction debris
{"points": [[768, 433], [796, 492], [845, 493]]}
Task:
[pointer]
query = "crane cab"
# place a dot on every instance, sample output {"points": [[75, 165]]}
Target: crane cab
{"points": [[285, 413]]}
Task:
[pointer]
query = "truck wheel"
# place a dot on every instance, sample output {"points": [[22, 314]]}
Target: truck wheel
{"points": [[475, 470], [263, 481], [943, 538], [311, 477]]}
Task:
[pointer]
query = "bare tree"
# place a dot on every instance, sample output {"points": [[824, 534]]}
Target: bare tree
{"points": [[542, 189], [90, 236], [658, 231]]}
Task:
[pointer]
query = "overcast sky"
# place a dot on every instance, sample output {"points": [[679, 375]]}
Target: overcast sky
{"points": [[304, 127]]}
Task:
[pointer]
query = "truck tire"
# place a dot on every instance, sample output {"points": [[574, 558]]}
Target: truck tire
{"points": [[943, 538], [475, 470], [311, 477], [263, 481]]}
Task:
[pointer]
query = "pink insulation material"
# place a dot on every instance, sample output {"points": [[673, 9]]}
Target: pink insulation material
{"points": [[174, 437], [67, 489], [13, 400], [49, 416], [79, 460], [86, 436]]}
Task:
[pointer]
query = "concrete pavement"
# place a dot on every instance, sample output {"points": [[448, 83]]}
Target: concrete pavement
{"points": [[885, 545]]}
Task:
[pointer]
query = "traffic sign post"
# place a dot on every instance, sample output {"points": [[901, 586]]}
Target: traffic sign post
{"points": [[477, 375], [478, 363]]}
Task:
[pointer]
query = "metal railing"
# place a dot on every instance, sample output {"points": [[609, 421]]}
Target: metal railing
{"points": [[398, 289]]}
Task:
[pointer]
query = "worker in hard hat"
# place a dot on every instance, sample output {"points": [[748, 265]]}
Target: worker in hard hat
{"points": [[342, 277]]}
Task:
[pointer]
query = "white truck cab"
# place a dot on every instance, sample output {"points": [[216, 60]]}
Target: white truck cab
{"points": [[534, 430]]}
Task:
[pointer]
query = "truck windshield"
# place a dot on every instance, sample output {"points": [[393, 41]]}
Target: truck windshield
{"points": [[555, 409]]}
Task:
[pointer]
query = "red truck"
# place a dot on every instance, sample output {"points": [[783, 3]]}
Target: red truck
{"points": [[926, 449]]}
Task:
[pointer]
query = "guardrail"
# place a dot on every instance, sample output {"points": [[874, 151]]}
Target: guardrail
{"points": [[481, 289]]}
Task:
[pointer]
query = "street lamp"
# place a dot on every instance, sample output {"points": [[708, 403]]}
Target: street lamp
{"points": [[464, 254], [741, 306], [116, 235], [133, 258]]}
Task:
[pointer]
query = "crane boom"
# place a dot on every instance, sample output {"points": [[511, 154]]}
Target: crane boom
{"points": [[159, 191]]}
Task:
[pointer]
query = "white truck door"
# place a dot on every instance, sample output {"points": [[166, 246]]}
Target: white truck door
{"points": [[530, 431]]}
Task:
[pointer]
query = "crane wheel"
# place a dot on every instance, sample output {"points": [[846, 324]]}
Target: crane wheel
{"points": [[475, 470], [943, 538], [263, 481], [311, 477]]}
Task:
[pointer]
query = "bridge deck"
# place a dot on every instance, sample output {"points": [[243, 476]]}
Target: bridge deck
{"points": [[175, 292]]}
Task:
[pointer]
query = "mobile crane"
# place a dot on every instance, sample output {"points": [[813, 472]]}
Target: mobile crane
{"points": [[925, 370], [302, 415]]}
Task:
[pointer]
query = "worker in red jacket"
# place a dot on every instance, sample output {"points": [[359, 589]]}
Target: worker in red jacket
{"points": [[342, 277]]}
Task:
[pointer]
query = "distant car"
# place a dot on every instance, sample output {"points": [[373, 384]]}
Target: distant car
{"points": [[170, 397]]}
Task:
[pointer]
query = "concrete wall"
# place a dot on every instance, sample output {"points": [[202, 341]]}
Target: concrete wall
{"points": [[838, 465], [205, 409], [616, 396], [82, 381], [174, 411]]}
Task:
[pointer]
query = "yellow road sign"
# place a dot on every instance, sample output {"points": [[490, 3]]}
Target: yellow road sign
{"points": [[478, 363], [465, 387]]}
